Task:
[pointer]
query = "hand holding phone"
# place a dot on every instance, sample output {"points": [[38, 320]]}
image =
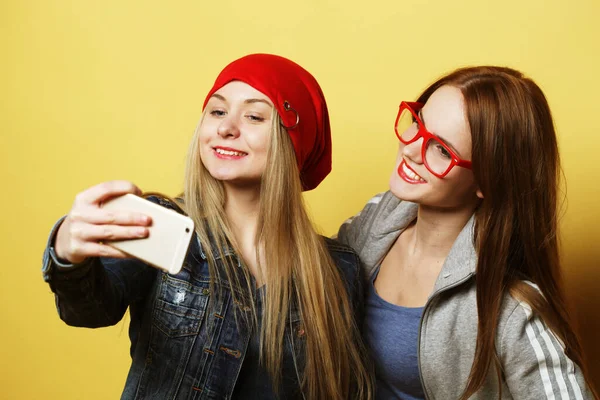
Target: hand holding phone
{"points": [[169, 235], [87, 226], [108, 217]]}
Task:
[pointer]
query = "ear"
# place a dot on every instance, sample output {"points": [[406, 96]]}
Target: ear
{"points": [[479, 194]]}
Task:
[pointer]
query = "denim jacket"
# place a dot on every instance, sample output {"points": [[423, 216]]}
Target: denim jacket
{"points": [[182, 345]]}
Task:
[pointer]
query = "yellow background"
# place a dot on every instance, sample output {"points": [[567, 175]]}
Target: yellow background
{"points": [[92, 91]]}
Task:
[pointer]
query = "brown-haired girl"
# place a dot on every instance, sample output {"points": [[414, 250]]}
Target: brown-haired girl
{"points": [[465, 295]]}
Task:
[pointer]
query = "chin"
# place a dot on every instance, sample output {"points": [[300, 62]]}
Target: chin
{"points": [[220, 174], [236, 179], [404, 190]]}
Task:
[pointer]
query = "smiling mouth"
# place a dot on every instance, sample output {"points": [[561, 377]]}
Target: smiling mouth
{"points": [[408, 174], [228, 153]]}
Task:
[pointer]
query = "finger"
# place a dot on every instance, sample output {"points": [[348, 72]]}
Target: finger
{"points": [[95, 233], [99, 216], [106, 190], [91, 249]]}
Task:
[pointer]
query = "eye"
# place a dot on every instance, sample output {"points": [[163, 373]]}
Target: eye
{"points": [[443, 151], [255, 118], [217, 113]]}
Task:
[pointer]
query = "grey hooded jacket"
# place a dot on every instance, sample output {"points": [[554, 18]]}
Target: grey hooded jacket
{"points": [[533, 359]]}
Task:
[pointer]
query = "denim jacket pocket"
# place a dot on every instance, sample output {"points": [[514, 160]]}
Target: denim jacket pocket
{"points": [[180, 306]]}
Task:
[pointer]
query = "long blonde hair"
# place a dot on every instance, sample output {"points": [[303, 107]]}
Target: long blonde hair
{"points": [[298, 271]]}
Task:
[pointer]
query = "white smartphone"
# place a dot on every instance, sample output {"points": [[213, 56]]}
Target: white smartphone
{"points": [[170, 233]]}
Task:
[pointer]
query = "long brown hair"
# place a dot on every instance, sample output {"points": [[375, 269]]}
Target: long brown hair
{"points": [[517, 167], [298, 272]]}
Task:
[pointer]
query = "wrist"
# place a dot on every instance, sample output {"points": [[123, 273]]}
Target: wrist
{"points": [[59, 246]]}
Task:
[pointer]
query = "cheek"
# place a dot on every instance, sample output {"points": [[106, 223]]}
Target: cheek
{"points": [[259, 142], [203, 134], [399, 155], [203, 145], [459, 183], [464, 176]]}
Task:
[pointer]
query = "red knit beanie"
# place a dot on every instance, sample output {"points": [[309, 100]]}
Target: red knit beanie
{"points": [[300, 103]]}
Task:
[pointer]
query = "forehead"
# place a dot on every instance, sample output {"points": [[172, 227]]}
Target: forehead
{"points": [[444, 115], [241, 91]]}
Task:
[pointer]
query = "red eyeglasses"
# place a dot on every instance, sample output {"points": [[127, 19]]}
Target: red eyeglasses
{"points": [[437, 156]]}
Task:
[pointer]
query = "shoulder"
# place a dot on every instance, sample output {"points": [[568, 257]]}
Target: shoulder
{"points": [[335, 246], [342, 254], [355, 230], [344, 257], [174, 204], [517, 313], [374, 206], [374, 229], [516, 316], [533, 356]]}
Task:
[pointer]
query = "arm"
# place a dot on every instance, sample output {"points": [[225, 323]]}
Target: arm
{"points": [[372, 231], [96, 292], [350, 231], [534, 361], [93, 282]]}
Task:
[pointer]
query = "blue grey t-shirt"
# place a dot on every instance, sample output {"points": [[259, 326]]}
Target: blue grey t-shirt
{"points": [[392, 335]]}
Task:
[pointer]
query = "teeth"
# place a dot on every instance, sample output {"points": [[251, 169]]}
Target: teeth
{"points": [[230, 153], [411, 174]]}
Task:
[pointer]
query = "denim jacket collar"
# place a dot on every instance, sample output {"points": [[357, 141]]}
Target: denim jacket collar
{"points": [[226, 251]]}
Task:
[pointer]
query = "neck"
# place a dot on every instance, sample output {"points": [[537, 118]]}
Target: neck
{"points": [[242, 208], [436, 230]]}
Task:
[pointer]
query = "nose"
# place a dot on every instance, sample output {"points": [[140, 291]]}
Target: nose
{"points": [[413, 151], [229, 127]]}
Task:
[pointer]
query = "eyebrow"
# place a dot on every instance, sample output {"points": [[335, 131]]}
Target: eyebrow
{"points": [[447, 143], [247, 101]]}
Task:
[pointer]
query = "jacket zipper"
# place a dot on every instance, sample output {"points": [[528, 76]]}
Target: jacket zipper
{"points": [[425, 310]]}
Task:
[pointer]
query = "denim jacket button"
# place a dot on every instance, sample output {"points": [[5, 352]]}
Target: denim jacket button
{"points": [[205, 291]]}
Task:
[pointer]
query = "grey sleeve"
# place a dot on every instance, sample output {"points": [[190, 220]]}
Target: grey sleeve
{"points": [[534, 361], [353, 228]]}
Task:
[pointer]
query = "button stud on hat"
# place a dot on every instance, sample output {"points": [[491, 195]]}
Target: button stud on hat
{"points": [[288, 107]]}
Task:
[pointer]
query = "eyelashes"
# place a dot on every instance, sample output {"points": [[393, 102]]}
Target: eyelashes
{"points": [[251, 117], [217, 113], [255, 118]]}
